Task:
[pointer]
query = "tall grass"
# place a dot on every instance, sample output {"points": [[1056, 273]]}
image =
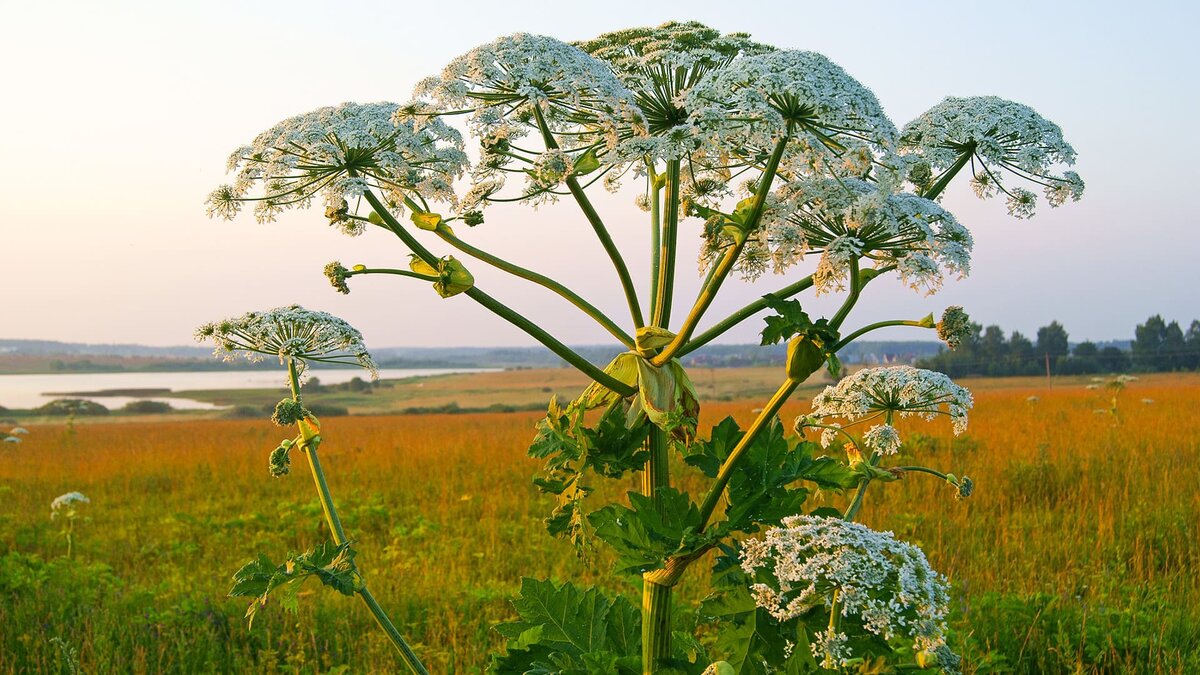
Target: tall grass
{"points": [[1078, 553]]}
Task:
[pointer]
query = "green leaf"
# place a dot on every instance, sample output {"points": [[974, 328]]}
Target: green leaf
{"points": [[332, 563], [610, 448], [565, 630], [748, 637], [585, 163], [709, 455], [789, 320], [645, 536]]}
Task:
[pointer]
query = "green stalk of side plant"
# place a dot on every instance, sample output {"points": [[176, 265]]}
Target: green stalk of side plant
{"points": [[308, 445], [499, 308], [876, 326]]}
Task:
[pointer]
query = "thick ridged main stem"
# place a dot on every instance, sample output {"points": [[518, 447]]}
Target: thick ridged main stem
{"points": [[309, 445], [656, 597], [656, 625]]}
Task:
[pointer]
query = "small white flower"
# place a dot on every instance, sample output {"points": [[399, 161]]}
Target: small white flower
{"points": [[18, 431], [388, 147]]}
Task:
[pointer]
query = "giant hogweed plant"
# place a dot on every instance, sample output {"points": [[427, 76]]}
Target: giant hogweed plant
{"points": [[776, 159]]}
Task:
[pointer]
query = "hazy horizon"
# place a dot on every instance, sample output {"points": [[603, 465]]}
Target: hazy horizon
{"points": [[126, 112]]}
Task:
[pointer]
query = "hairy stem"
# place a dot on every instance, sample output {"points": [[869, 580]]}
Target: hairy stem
{"points": [[309, 446], [656, 625], [656, 597]]}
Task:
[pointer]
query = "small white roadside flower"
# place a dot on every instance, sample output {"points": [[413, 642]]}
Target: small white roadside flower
{"points": [[896, 391], [12, 439], [289, 332], [18, 431], [64, 506], [884, 583]]}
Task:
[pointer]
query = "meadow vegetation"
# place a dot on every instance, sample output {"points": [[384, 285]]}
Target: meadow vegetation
{"points": [[1079, 551]]}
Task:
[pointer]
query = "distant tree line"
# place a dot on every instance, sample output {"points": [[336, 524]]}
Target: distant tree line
{"points": [[1157, 346]]}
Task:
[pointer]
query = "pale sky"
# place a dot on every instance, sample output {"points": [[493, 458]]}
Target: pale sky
{"points": [[118, 116]]}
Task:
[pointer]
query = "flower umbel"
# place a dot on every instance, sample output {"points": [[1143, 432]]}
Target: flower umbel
{"points": [[954, 327], [289, 332], [338, 153], [886, 585], [996, 136], [895, 391], [64, 506]]}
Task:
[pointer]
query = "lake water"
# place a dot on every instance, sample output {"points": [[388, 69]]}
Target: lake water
{"points": [[31, 391]]}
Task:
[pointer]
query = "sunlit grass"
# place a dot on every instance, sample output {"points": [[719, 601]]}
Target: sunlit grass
{"points": [[1078, 552]]}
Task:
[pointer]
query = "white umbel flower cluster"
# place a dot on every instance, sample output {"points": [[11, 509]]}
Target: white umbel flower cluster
{"points": [[64, 506], [754, 101], [924, 241], [507, 84], [896, 391], [884, 583], [338, 153], [289, 332], [998, 137]]}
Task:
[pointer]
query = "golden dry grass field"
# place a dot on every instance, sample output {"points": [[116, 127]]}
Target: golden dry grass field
{"points": [[1079, 552]]}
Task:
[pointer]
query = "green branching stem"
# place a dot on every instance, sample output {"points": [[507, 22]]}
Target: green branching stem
{"points": [[668, 242], [540, 279], [948, 175], [921, 469], [503, 311], [388, 270], [309, 443], [856, 286], [876, 326], [655, 238], [743, 314], [731, 462], [593, 218], [856, 503], [708, 292]]}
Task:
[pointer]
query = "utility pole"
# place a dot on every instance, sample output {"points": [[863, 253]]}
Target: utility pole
{"points": [[1048, 383]]}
